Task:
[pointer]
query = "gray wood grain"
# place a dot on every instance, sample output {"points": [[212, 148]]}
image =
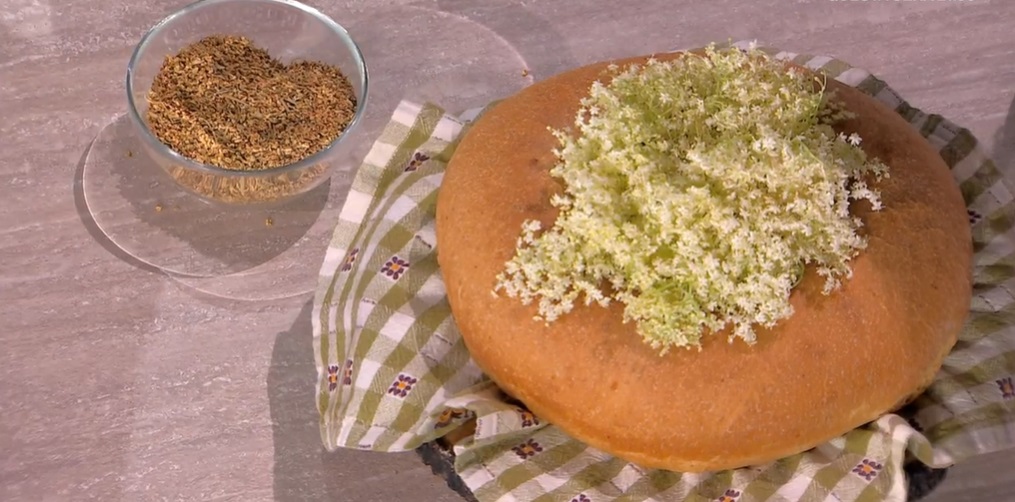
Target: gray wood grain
{"points": [[120, 382]]}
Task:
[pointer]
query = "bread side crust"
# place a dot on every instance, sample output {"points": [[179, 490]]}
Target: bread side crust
{"points": [[841, 361]]}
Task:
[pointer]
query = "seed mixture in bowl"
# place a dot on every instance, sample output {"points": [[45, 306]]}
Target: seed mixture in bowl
{"points": [[227, 103]]}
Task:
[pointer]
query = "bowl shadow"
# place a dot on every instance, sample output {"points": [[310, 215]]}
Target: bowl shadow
{"points": [[146, 214]]}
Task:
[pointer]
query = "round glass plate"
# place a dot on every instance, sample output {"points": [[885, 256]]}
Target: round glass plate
{"points": [[423, 54], [264, 253]]}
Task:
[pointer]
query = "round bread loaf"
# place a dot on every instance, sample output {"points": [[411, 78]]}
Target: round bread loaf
{"points": [[840, 361]]}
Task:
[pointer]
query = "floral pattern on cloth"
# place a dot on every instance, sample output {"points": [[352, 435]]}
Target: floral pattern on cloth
{"points": [[450, 416], [347, 373], [350, 259], [402, 386], [527, 450], [529, 419], [417, 161], [423, 242], [332, 377], [1007, 387], [974, 217], [395, 267], [412, 365], [730, 495], [868, 469]]}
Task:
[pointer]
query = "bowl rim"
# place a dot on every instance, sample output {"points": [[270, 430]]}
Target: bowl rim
{"points": [[154, 142]]}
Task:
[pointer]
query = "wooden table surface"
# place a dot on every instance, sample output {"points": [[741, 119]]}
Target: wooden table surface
{"points": [[121, 381]]}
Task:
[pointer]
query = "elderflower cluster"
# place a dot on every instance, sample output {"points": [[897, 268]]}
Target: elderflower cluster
{"points": [[696, 191]]}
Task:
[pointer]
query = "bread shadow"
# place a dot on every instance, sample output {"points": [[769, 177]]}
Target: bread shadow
{"points": [[303, 469], [301, 465]]}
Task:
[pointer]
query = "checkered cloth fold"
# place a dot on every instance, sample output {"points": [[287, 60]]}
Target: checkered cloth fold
{"points": [[394, 372]]}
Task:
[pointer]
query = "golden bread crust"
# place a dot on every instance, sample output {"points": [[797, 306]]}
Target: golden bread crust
{"points": [[840, 361]]}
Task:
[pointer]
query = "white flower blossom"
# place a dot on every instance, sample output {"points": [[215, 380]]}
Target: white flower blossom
{"points": [[701, 214]]}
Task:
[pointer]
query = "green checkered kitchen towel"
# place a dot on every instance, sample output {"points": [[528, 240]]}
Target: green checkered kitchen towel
{"points": [[394, 372]]}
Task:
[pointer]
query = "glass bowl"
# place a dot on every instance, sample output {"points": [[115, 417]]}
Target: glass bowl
{"points": [[289, 31]]}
